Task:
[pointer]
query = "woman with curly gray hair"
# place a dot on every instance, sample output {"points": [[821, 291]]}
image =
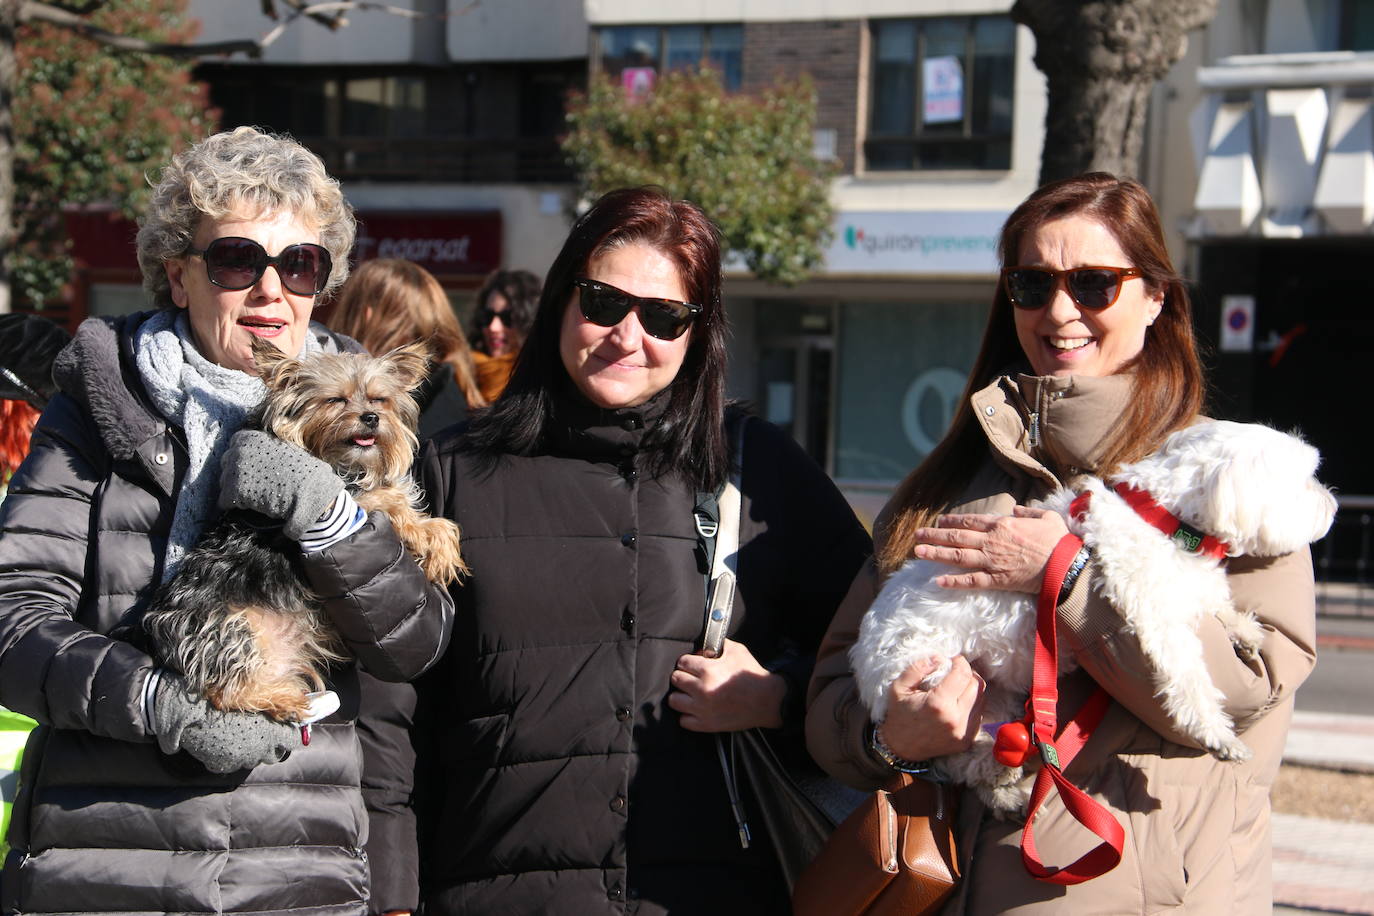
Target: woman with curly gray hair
{"points": [[137, 794]]}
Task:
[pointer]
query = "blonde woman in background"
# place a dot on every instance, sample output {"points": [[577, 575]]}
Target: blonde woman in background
{"points": [[390, 302]]}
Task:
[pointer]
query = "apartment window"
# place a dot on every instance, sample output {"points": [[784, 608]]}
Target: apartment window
{"points": [[637, 52], [941, 94]]}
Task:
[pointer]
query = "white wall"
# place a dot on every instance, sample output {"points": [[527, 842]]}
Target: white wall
{"points": [[629, 11], [518, 30], [491, 30]]}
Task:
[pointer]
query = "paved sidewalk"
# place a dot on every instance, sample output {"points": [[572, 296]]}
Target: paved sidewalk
{"points": [[1332, 740], [1323, 865]]}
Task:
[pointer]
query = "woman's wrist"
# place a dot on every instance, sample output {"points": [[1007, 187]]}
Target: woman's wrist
{"points": [[879, 749]]}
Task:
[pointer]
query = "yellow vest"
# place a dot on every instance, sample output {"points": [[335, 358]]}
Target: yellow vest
{"points": [[14, 733]]}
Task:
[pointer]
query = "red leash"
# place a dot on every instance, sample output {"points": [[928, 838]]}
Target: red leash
{"points": [[1057, 751]]}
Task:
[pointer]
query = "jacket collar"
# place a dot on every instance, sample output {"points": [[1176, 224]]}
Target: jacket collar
{"points": [[97, 371], [582, 429], [1051, 427]]}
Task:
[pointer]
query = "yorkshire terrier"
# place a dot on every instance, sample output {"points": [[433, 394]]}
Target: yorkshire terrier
{"points": [[239, 620]]}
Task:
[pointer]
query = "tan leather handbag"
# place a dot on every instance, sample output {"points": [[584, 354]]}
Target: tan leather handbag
{"points": [[894, 855]]}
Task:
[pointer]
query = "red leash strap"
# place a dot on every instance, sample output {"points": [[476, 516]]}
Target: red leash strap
{"points": [[1057, 751]]}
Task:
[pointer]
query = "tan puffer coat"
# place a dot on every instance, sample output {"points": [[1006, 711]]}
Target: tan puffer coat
{"points": [[1197, 829]]}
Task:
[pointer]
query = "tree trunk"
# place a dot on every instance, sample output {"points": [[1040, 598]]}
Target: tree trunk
{"points": [[1101, 59], [9, 21]]}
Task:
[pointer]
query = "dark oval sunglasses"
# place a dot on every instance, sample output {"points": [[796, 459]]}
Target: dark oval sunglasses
{"points": [[237, 263], [1093, 288], [604, 305], [485, 316]]}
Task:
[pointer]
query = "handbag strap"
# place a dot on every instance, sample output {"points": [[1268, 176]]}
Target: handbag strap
{"points": [[717, 518], [1057, 751]]}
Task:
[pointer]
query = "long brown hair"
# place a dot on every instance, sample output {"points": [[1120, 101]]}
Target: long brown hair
{"points": [[1168, 383], [389, 302]]}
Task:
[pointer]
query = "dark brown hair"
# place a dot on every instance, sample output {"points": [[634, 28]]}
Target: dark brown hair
{"points": [[1168, 382], [389, 302], [521, 291], [688, 438]]}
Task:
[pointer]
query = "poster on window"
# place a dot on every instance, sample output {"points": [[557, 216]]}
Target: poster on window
{"points": [[943, 82], [637, 81]]}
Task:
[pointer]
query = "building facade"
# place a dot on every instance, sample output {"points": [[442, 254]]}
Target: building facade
{"points": [[1262, 157], [444, 130]]}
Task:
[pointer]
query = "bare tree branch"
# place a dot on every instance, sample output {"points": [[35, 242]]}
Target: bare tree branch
{"points": [[82, 9], [31, 10], [328, 13]]}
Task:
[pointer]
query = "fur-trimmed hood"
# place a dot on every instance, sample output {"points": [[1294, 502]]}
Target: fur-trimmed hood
{"points": [[97, 371]]}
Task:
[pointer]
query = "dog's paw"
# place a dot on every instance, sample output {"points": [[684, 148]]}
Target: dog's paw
{"points": [[1233, 749], [1247, 634]]}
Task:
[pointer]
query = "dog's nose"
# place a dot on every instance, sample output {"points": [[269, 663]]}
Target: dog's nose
{"points": [[369, 420]]}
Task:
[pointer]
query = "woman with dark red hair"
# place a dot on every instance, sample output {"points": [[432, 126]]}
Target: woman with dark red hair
{"points": [[570, 729]]}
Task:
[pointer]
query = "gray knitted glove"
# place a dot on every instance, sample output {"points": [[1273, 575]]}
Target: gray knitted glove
{"points": [[223, 741], [261, 473]]}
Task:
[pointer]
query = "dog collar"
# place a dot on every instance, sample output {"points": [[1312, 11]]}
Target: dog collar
{"points": [[1188, 538]]}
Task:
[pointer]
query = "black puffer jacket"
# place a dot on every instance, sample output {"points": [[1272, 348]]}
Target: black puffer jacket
{"points": [[561, 779], [105, 822]]}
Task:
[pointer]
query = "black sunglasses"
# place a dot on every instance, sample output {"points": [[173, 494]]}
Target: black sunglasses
{"points": [[485, 315], [237, 263], [604, 305], [1094, 288]]}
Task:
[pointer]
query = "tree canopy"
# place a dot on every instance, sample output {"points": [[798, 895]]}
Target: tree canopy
{"points": [[746, 160], [90, 124]]}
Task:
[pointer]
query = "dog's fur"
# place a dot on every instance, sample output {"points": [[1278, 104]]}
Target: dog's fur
{"points": [[238, 619], [1246, 484]]}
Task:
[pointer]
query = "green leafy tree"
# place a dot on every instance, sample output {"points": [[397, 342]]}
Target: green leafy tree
{"points": [[90, 124], [746, 160]]}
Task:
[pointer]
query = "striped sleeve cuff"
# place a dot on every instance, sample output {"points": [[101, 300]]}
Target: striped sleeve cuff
{"points": [[342, 519]]}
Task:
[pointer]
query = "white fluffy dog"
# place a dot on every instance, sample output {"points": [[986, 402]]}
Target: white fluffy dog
{"points": [[1247, 485]]}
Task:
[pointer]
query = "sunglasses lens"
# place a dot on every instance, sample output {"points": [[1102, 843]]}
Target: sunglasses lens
{"points": [[604, 306], [1094, 289], [304, 269], [663, 319], [1029, 289], [234, 263]]}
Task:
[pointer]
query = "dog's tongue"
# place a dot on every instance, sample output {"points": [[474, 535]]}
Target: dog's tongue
{"points": [[360, 441]]}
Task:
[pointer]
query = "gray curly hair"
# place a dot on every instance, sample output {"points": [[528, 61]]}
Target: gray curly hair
{"points": [[240, 172]]}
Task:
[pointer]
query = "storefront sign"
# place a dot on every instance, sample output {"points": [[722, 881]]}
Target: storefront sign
{"points": [[928, 242], [464, 243]]}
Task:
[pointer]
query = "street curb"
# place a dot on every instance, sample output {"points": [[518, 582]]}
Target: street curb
{"points": [[1331, 741]]}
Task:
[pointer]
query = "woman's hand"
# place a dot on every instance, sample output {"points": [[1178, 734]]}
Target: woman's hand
{"points": [[921, 724], [1007, 552], [726, 694]]}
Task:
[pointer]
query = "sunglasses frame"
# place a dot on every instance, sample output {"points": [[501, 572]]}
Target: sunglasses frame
{"points": [[694, 311], [1066, 277], [264, 261]]}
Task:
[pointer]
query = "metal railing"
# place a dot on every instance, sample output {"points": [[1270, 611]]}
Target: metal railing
{"points": [[1344, 560]]}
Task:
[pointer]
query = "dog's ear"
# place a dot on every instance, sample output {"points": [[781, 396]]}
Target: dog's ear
{"points": [[408, 364], [275, 368]]}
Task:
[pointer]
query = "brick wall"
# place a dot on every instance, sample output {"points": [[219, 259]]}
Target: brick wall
{"points": [[830, 52]]}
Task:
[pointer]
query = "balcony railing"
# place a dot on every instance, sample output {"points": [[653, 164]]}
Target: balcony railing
{"points": [[1344, 561]]}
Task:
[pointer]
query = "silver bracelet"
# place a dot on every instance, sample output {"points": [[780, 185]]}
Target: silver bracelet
{"points": [[888, 756], [1075, 569]]}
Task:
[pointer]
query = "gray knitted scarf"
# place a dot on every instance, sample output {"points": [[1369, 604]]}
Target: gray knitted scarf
{"points": [[208, 402]]}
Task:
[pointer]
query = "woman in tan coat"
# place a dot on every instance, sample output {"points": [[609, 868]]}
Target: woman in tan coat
{"points": [[1080, 371]]}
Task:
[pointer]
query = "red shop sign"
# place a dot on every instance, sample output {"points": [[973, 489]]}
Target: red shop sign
{"points": [[450, 243]]}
